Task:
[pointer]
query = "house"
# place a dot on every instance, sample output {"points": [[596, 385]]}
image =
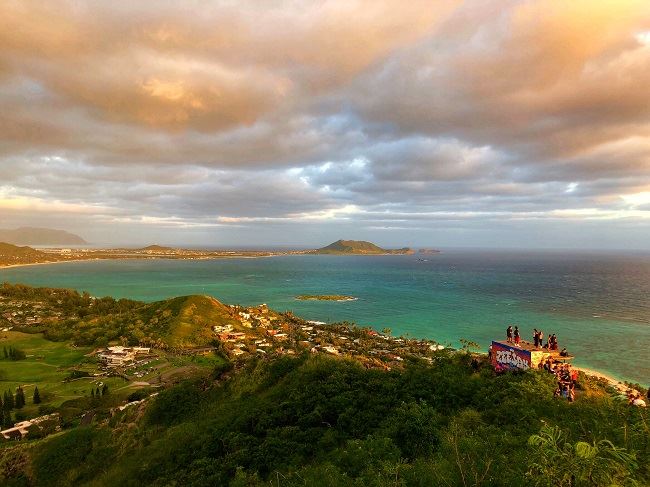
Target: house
{"points": [[222, 329], [18, 432], [232, 336], [21, 430], [117, 356]]}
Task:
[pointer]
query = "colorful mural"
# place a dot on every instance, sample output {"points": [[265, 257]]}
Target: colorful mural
{"points": [[506, 357]]}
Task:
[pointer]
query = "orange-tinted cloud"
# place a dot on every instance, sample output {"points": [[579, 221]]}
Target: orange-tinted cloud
{"points": [[403, 110]]}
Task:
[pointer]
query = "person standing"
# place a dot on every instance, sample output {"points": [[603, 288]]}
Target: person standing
{"points": [[517, 337], [541, 338], [509, 334], [536, 337]]}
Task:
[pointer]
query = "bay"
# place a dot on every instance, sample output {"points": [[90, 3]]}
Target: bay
{"points": [[597, 304]]}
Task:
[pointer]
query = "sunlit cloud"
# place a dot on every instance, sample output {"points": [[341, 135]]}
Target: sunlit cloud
{"points": [[637, 199], [343, 118]]}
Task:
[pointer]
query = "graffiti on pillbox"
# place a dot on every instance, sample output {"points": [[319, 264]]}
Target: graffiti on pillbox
{"points": [[509, 358]]}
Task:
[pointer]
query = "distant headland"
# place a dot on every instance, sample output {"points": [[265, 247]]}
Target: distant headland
{"points": [[39, 236]]}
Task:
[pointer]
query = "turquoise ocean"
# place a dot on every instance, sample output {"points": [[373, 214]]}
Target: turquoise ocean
{"points": [[597, 304]]}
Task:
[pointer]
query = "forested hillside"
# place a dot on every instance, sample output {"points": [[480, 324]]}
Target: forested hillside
{"points": [[326, 421]]}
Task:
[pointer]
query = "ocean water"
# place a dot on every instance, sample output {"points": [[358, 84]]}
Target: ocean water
{"points": [[597, 304]]}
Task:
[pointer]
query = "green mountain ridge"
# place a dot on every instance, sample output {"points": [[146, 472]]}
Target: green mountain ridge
{"points": [[190, 319]]}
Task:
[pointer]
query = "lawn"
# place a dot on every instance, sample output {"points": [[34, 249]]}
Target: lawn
{"points": [[47, 364]]}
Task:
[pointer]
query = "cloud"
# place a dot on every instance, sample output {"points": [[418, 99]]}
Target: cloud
{"points": [[339, 115]]}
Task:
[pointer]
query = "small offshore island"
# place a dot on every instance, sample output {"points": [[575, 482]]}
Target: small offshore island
{"points": [[359, 247], [325, 297]]}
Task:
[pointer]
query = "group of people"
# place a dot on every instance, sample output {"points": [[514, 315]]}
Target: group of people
{"points": [[538, 340], [567, 377], [513, 336], [634, 398]]}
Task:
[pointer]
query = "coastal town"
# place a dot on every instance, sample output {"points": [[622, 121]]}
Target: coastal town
{"points": [[258, 331]]}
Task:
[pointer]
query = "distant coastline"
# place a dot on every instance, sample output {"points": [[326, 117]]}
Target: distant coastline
{"points": [[13, 256]]}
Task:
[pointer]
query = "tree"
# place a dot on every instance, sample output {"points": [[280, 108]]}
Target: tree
{"points": [[8, 401], [557, 462], [5, 352], [37, 396], [97, 393], [20, 398], [92, 393], [6, 419], [105, 390]]}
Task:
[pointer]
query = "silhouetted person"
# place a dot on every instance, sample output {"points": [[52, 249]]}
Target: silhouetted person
{"points": [[517, 337]]}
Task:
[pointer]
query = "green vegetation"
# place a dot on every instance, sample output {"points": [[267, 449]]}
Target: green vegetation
{"points": [[325, 297], [314, 420], [13, 353], [358, 247], [88, 321], [48, 365]]}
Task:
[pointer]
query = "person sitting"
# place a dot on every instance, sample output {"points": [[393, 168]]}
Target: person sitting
{"points": [[565, 391], [564, 353]]}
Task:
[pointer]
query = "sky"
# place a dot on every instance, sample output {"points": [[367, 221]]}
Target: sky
{"points": [[478, 123]]}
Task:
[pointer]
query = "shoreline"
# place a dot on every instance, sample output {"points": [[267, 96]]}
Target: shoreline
{"points": [[95, 259], [616, 383]]}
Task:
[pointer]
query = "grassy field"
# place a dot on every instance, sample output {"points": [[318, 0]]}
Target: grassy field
{"points": [[46, 365]]}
